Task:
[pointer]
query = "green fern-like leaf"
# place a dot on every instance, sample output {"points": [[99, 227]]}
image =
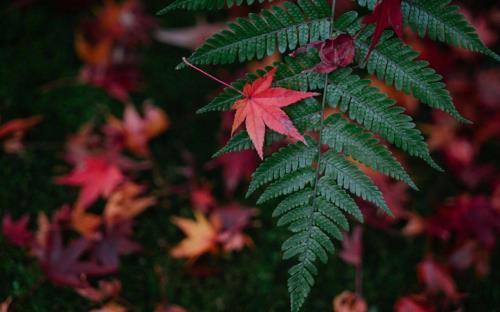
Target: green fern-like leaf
{"points": [[285, 161], [193, 5], [279, 28], [395, 63], [441, 22], [295, 200], [342, 136], [332, 192], [290, 183], [351, 178], [373, 109]]}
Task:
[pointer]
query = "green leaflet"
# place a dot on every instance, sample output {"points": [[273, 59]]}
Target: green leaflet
{"points": [[395, 63], [280, 29], [441, 22], [376, 112], [285, 161], [351, 178], [203, 4], [342, 136], [293, 182]]}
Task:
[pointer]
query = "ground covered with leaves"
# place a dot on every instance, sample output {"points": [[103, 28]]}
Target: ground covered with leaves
{"points": [[438, 254]]}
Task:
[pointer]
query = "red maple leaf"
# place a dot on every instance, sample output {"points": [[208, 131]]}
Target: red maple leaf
{"points": [[436, 278], [97, 176], [387, 13], [15, 231], [64, 264], [230, 221], [261, 107], [115, 242]]}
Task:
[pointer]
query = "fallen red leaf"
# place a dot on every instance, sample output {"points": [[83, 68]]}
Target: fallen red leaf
{"points": [[115, 241], [352, 247], [261, 107], [64, 264], [96, 175], [16, 231], [230, 221], [103, 291], [136, 131], [436, 278], [410, 304]]}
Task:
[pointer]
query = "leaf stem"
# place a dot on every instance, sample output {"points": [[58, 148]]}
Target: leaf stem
{"points": [[321, 126], [185, 61]]}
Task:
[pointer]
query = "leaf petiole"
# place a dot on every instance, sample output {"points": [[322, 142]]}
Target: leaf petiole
{"points": [[185, 61]]}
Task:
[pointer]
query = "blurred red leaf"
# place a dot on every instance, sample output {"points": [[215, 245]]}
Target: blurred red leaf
{"points": [[16, 232], [436, 278], [352, 247], [96, 175], [411, 304], [468, 217], [117, 79], [64, 264], [104, 291], [137, 131], [470, 254], [230, 221], [202, 198], [115, 241]]}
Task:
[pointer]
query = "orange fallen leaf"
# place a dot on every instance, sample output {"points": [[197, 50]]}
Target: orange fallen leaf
{"points": [[125, 203], [94, 54], [85, 223], [201, 237]]}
